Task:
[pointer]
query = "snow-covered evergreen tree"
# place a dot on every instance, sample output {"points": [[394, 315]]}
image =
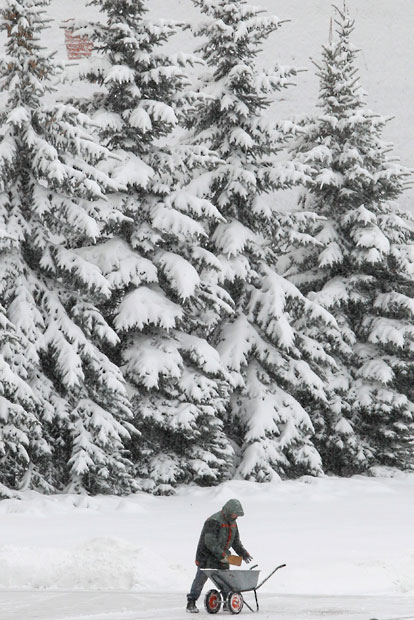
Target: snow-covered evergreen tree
{"points": [[358, 262], [275, 369], [61, 395], [167, 298], [21, 443]]}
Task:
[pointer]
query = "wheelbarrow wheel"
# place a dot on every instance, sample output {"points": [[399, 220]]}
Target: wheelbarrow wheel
{"points": [[235, 602], [212, 601]]}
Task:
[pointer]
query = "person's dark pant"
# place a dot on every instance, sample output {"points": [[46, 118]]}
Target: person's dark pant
{"points": [[197, 585]]}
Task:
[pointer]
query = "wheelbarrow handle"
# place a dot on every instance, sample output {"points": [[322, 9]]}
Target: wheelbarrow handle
{"points": [[268, 577]]}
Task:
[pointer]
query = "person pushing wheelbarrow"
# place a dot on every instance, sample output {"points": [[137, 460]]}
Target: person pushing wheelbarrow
{"points": [[219, 534]]}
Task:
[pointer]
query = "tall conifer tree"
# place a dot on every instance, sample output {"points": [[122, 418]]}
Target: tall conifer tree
{"points": [[167, 297], [275, 369], [59, 389], [359, 263]]}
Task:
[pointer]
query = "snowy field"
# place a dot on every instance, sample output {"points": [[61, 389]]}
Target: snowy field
{"points": [[347, 543], [147, 606]]}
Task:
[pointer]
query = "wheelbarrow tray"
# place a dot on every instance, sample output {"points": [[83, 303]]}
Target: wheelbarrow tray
{"points": [[233, 580]]}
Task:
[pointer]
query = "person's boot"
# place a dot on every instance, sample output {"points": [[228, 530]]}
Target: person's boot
{"points": [[191, 606]]}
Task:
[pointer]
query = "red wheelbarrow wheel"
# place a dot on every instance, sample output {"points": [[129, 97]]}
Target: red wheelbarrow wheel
{"points": [[235, 602], [212, 601]]}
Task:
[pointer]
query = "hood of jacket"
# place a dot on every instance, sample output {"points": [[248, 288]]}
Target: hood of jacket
{"points": [[233, 505]]}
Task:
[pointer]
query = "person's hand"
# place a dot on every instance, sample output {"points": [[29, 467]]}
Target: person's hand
{"points": [[225, 560], [247, 557]]}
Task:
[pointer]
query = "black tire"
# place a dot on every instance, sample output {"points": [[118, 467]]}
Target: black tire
{"points": [[212, 601], [235, 602]]}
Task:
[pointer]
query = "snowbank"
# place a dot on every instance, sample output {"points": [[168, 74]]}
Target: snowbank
{"points": [[337, 536]]}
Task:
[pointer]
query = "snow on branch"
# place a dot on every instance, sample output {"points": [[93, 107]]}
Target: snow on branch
{"points": [[147, 306]]}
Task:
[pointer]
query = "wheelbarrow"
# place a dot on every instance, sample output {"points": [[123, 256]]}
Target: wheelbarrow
{"points": [[230, 585]]}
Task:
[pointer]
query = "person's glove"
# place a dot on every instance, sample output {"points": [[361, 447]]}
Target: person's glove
{"points": [[247, 557], [225, 560]]}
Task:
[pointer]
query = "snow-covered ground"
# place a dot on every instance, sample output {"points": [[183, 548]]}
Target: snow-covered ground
{"points": [[149, 606], [347, 543]]}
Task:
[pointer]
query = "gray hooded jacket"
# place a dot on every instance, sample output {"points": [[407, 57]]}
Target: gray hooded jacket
{"points": [[219, 534]]}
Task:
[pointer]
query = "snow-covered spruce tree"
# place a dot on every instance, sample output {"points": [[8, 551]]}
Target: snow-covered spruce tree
{"points": [[275, 369], [167, 298], [51, 205], [20, 432], [358, 262]]}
